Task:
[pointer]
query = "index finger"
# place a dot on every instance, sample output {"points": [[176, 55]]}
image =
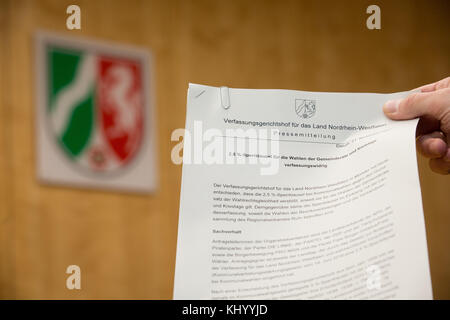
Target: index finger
{"points": [[441, 84]]}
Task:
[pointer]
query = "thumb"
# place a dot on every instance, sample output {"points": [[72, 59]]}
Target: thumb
{"points": [[434, 104]]}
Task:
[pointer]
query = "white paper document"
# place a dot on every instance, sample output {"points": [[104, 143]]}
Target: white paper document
{"points": [[298, 195]]}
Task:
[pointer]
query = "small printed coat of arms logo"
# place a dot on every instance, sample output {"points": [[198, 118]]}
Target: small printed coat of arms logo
{"points": [[305, 108], [93, 103]]}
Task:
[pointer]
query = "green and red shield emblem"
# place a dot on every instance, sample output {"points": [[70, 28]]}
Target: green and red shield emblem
{"points": [[95, 106], [94, 114]]}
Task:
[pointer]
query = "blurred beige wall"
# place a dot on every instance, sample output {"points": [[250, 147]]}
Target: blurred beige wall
{"points": [[125, 244]]}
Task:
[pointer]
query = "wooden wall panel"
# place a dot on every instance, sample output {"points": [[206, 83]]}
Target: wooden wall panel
{"points": [[6, 234], [125, 244]]}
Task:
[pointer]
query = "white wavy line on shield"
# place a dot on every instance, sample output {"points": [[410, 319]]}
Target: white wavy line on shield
{"points": [[73, 94]]}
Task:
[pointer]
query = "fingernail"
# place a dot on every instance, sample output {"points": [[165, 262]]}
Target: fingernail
{"points": [[391, 106]]}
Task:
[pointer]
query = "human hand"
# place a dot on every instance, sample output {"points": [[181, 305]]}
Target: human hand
{"points": [[432, 105]]}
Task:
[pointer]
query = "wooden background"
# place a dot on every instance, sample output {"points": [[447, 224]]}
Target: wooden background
{"points": [[125, 244]]}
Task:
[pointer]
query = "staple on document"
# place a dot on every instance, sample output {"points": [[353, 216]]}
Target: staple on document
{"points": [[225, 97]]}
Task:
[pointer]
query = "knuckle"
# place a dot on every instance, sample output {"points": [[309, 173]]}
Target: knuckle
{"points": [[441, 103], [444, 113], [445, 93], [444, 83], [438, 103], [408, 102]]}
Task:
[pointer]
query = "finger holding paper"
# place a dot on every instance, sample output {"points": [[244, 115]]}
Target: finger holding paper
{"points": [[432, 105]]}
